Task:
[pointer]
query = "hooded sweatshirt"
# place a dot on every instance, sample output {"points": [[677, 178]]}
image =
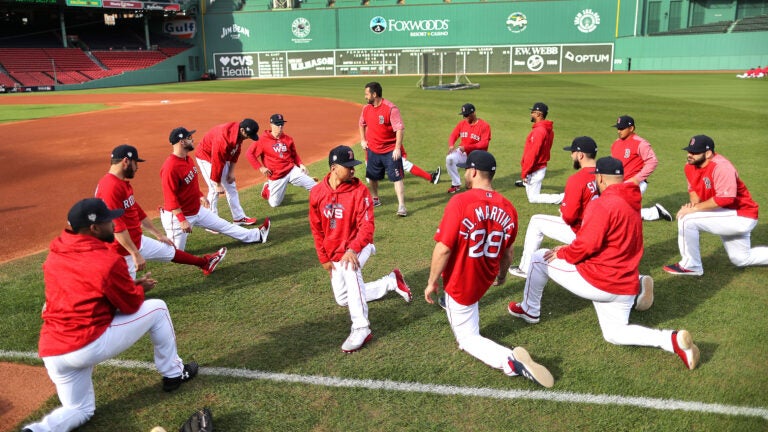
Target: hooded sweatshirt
{"points": [[537, 148], [219, 146]]}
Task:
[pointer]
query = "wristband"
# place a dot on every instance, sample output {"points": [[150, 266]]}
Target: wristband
{"points": [[180, 217]]}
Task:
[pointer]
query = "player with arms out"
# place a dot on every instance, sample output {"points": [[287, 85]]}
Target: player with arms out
{"points": [[130, 242], [275, 156], [536, 154], [474, 134], [473, 244], [342, 224], [93, 312]]}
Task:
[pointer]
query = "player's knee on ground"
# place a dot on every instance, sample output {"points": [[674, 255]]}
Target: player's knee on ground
{"points": [[739, 261]]}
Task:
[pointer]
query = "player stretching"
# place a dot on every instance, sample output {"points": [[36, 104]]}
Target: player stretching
{"points": [[341, 219], [601, 265], [475, 134], [536, 154], [116, 190], [184, 205], [474, 243], [275, 157], [720, 204]]}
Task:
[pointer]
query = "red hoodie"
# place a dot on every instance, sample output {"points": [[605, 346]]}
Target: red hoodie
{"points": [[609, 245], [537, 148], [86, 282], [340, 219], [219, 146]]}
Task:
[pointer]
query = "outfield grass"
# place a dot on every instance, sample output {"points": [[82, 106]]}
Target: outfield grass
{"points": [[270, 307]]}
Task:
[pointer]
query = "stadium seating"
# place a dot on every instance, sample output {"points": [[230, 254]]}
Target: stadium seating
{"points": [[6, 80], [129, 60], [716, 27], [758, 23]]}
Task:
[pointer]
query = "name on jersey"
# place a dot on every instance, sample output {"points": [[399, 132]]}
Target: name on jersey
{"points": [[190, 176], [464, 134], [484, 213], [129, 202]]}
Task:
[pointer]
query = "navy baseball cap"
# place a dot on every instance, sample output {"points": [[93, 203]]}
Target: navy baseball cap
{"points": [[700, 144], [251, 128], [583, 144], [91, 211], [540, 106], [467, 109], [609, 166], [126, 151], [479, 160], [179, 134], [624, 122], [277, 119], [344, 156]]}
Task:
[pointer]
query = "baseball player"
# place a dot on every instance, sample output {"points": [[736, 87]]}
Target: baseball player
{"points": [[381, 136], [719, 204], [116, 191], [639, 162], [601, 265], [475, 134], [409, 167], [217, 157], [473, 244], [275, 157], [342, 224], [536, 154], [94, 311], [185, 206]]}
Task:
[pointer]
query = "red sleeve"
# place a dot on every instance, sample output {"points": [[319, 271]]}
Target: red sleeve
{"points": [[253, 153], [170, 184], [590, 237], [650, 162], [113, 198], [121, 290], [447, 233], [570, 208], [455, 134], [532, 148], [316, 224], [218, 157], [364, 220], [726, 187]]}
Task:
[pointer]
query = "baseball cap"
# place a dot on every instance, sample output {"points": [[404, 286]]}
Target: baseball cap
{"points": [[251, 128], [479, 160], [582, 144], [624, 122], [344, 156], [91, 211], [277, 119], [540, 106], [179, 134], [126, 151], [609, 166], [467, 109], [700, 144]]}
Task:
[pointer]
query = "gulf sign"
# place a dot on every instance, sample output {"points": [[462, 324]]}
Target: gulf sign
{"points": [[182, 28]]}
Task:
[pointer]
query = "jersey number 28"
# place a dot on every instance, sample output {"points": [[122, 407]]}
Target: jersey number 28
{"points": [[482, 245]]}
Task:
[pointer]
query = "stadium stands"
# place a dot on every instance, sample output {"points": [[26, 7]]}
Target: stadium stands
{"points": [[129, 60], [758, 23], [6, 80]]}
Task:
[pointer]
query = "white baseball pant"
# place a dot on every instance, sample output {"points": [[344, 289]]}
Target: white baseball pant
{"points": [[533, 189], [295, 177], [612, 309], [539, 226], [465, 323], [648, 213], [151, 250], [349, 289], [735, 232], [455, 157], [72, 372], [230, 190], [206, 219]]}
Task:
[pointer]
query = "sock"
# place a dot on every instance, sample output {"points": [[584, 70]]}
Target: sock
{"points": [[182, 257], [421, 173]]}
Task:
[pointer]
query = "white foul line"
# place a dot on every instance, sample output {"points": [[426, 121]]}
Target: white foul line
{"points": [[440, 389]]}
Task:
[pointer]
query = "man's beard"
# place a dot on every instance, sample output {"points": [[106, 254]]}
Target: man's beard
{"points": [[576, 165]]}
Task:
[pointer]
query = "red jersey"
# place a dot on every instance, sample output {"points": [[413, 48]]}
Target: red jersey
{"points": [[473, 136], [86, 282], [380, 124], [180, 188], [279, 154], [478, 226], [720, 180], [579, 191], [219, 146], [340, 219], [609, 245], [637, 156], [118, 194], [537, 148]]}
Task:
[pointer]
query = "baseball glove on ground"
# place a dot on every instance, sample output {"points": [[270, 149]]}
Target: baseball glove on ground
{"points": [[200, 421]]}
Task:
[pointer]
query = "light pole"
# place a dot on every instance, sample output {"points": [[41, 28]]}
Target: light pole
{"points": [[53, 65]]}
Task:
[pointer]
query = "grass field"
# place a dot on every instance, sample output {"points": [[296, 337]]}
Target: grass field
{"points": [[265, 326]]}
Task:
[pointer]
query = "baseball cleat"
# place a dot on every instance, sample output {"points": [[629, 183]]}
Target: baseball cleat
{"points": [[189, 372], [682, 344], [517, 271], [515, 310], [644, 299], [214, 260], [264, 230], [357, 338], [521, 363], [663, 213], [436, 176], [265, 191], [244, 221], [677, 269], [454, 189], [376, 202], [519, 183], [401, 212], [401, 287]]}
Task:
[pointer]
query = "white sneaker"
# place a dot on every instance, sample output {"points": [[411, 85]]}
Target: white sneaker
{"points": [[516, 271], [663, 213], [644, 299], [264, 230], [522, 364], [357, 338], [682, 344]]}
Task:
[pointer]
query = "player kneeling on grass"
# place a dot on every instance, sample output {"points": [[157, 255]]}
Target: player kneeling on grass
{"points": [[341, 219], [94, 311], [474, 248], [601, 264]]}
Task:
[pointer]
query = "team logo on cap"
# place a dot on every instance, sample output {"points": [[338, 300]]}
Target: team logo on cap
{"points": [[92, 217]]}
